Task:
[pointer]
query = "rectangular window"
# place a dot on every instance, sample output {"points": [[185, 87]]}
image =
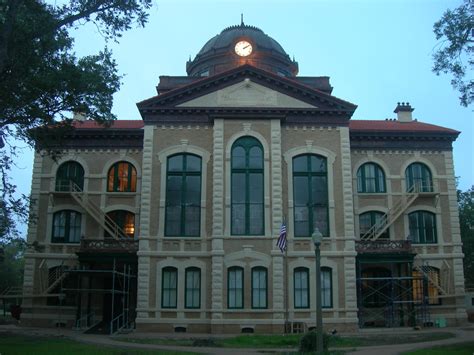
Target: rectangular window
{"points": [[259, 288], [326, 288], [193, 288], [235, 288], [422, 227], [169, 289], [301, 288]]}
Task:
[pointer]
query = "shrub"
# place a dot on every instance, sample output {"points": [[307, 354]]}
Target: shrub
{"points": [[203, 342], [309, 340]]}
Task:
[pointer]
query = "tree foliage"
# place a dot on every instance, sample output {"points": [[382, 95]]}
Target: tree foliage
{"points": [[466, 222], [12, 263], [455, 55], [42, 80]]}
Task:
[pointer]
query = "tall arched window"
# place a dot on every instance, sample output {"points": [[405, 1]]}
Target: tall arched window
{"points": [[422, 227], [259, 287], [301, 287], [370, 178], [122, 177], [235, 287], [368, 220], [125, 220], [66, 227], [310, 195], [418, 176], [68, 172], [169, 287], [183, 196], [247, 210]]}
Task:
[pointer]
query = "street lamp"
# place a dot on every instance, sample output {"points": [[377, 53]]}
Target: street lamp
{"points": [[317, 238]]}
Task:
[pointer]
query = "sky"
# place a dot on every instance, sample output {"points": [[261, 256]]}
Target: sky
{"points": [[376, 53]]}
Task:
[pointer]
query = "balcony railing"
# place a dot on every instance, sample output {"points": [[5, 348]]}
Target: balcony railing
{"points": [[109, 245], [383, 246]]}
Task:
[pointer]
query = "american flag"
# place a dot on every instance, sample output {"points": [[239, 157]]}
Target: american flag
{"points": [[281, 242]]}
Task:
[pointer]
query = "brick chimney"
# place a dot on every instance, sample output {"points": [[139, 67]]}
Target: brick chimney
{"points": [[403, 111]]}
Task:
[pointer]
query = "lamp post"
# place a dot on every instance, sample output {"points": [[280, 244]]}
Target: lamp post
{"points": [[317, 238]]}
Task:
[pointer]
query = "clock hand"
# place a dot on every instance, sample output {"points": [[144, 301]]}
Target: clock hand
{"points": [[248, 45]]}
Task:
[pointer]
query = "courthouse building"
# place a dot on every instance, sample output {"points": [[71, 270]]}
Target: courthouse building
{"points": [[170, 223]]}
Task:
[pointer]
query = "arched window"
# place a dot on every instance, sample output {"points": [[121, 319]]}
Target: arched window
{"points": [[235, 287], [418, 177], [426, 283], [326, 287], [368, 220], [68, 172], [370, 178], [192, 296], [247, 210], [301, 287], [422, 227], [169, 287], [122, 177], [125, 220], [66, 227], [183, 196], [259, 287], [310, 195]]}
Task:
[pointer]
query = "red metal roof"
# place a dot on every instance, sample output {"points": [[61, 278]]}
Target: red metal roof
{"points": [[396, 126]]}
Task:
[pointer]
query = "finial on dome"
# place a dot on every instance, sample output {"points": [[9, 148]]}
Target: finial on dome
{"points": [[242, 20]]}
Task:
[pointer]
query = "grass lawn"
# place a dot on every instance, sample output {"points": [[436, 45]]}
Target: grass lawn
{"points": [[292, 340], [455, 349], [16, 345]]}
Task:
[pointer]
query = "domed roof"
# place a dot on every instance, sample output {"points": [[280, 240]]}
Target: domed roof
{"points": [[230, 34], [218, 54]]}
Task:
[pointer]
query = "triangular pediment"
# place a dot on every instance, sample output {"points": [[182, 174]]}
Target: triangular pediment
{"points": [[246, 94]]}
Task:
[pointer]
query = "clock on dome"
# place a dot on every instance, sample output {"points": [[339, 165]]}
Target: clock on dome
{"points": [[243, 48]]}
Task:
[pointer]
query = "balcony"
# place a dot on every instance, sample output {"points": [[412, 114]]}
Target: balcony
{"points": [[381, 246], [109, 245]]}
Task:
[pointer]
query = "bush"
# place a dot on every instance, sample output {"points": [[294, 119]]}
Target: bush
{"points": [[309, 340], [203, 342]]}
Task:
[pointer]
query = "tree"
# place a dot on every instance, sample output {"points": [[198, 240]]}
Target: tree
{"points": [[466, 222], [42, 80], [12, 265], [455, 33]]}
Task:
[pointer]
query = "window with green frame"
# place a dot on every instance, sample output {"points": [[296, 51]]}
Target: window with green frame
{"points": [[310, 195], [418, 175], [169, 287], [370, 178], [326, 287], [259, 287], [125, 220], [66, 227], [122, 177], [192, 295], [67, 172], [247, 208], [183, 196], [422, 227], [301, 287], [235, 287], [369, 219]]}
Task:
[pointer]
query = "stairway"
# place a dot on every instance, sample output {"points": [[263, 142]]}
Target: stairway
{"points": [[426, 271], [109, 225], [392, 215]]}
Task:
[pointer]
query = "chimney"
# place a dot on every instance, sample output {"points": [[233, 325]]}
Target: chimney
{"points": [[403, 111]]}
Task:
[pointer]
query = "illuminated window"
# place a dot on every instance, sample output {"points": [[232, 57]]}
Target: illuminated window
{"points": [[122, 177], [125, 220], [370, 178], [310, 195], [68, 172]]}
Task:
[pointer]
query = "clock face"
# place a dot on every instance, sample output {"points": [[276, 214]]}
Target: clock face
{"points": [[243, 48]]}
